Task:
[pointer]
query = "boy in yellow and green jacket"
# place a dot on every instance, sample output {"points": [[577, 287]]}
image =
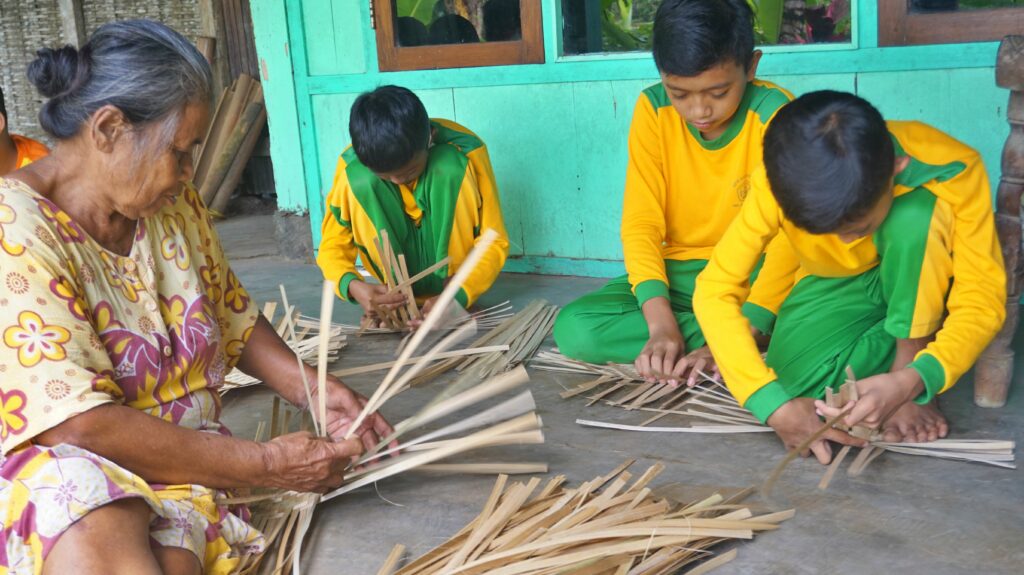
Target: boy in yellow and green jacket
{"points": [[694, 141], [899, 272], [429, 183]]}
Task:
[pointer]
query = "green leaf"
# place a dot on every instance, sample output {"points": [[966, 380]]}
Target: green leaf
{"points": [[421, 10]]}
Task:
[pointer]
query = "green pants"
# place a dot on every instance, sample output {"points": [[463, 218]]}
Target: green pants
{"points": [[827, 324], [608, 325]]}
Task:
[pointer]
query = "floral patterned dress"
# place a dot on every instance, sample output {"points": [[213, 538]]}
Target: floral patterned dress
{"points": [[82, 327]]}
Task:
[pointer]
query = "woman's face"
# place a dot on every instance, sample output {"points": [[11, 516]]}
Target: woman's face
{"points": [[154, 176]]}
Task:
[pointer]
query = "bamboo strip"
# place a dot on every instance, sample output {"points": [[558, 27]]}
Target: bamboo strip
{"points": [[444, 355], [440, 305], [693, 429], [493, 468], [391, 563]]}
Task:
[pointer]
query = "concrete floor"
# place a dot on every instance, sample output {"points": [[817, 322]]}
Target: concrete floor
{"points": [[905, 515]]}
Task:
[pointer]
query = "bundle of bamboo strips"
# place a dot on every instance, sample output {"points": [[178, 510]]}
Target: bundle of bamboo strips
{"points": [[605, 526], [234, 131], [487, 318], [511, 422], [522, 333], [619, 385], [990, 452], [305, 344]]}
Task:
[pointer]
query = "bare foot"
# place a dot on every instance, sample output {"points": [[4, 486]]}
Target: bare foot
{"points": [[916, 423]]}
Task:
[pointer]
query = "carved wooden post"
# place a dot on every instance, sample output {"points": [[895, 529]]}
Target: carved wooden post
{"points": [[994, 369]]}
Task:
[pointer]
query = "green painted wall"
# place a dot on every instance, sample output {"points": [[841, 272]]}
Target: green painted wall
{"points": [[557, 131]]}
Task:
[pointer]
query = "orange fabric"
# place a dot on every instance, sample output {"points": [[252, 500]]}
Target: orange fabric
{"points": [[29, 150]]}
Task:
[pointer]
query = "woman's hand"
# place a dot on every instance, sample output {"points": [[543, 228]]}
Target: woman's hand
{"points": [[343, 407], [303, 462]]}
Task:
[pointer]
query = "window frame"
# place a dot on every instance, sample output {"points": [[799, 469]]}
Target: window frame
{"points": [[898, 26], [394, 58]]}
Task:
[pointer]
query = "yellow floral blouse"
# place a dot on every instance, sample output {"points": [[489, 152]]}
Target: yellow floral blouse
{"points": [[156, 330]]}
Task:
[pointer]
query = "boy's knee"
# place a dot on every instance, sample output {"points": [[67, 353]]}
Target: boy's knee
{"points": [[571, 335]]}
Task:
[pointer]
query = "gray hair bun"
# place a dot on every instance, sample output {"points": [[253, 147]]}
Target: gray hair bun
{"points": [[143, 68]]}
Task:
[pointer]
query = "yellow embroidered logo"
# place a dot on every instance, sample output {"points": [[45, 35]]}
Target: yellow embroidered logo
{"points": [[742, 187]]}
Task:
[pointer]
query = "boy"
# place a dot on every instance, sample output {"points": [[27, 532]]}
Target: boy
{"points": [[16, 151], [427, 182], [694, 140], [900, 274]]}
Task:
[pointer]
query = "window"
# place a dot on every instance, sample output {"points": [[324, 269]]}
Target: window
{"points": [[590, 26], [429, 34], [909, 22]]}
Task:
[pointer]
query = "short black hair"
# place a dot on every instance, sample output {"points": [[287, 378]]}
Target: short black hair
{"points": [[3, 105], [502, 21], [388, 126], [411, 32], [692, 36], [453, 29], [829, 159]]}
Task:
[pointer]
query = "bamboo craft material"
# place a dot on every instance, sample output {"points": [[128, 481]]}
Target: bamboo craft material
{"points": [[619, 385], [522, 333], [605, 526], [511, 422], [990, 452], [305, 344], [488, 318], [236, 127]]}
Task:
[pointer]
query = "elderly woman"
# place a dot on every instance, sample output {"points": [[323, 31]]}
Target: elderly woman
{"points": [[120, 317]]}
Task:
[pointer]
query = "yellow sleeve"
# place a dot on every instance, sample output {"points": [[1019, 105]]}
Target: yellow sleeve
{"points": [[338, 253], [479, 197], [977, 299], [643, 207], [722, 288], [773, 284]]}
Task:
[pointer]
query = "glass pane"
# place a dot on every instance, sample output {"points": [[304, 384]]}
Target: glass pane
{"points": [[433, 22], [590, 26], [959, 5]]}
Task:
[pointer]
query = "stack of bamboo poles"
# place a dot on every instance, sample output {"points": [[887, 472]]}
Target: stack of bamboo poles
{"points": [[233, 133], [618, 385], [522, 333], [511, 422], [305, 344], [605, 526]]}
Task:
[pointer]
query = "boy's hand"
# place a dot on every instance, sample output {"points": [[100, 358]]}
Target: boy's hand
{"points": [[661, 354], [374, 296], [428, 305], [665, 345], [696, 362], [795, 421], [880, 397]]}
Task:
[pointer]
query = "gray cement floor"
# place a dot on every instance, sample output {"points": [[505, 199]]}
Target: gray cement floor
{"points": [[905, 515]]}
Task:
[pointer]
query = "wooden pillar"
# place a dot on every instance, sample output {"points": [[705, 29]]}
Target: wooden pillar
{"points": [[994, 369], [72, 22]]}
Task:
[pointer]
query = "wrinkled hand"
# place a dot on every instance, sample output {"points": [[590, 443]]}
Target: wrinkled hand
{"points": [[660, 356], [303, 462], [796, 420], [374, 297], [879, 397], [343, 407]]}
